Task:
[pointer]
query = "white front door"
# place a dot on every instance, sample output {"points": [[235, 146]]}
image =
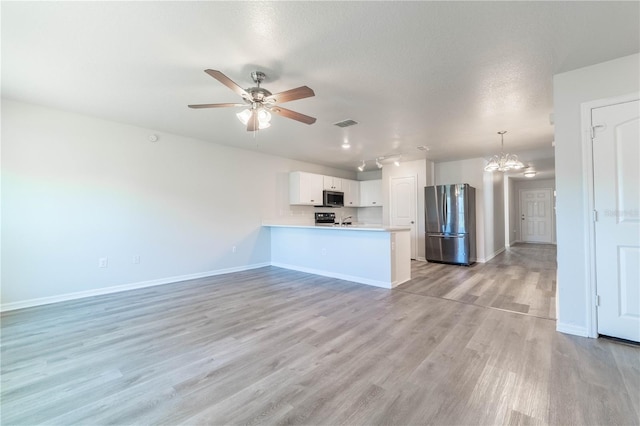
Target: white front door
{"points": [[536, 222], [616, 184], [404, 198]]}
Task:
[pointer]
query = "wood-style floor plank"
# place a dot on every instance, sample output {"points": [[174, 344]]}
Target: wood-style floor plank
{"points": [[455, 345], [521, 279]]}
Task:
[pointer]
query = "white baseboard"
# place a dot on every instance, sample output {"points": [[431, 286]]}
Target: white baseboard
{"points": [[116, 289], [330, 274], [491, 256], [533, 242], [421, 258], [572, 329]]}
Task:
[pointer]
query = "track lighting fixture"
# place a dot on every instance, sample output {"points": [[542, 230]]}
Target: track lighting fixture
{"points": [[381, 161]]}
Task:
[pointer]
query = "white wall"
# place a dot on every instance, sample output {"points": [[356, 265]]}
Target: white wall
{"points": [[494, 243], [510, 219], [571, 89], [515, 210], [76, 188], [417, 168]]}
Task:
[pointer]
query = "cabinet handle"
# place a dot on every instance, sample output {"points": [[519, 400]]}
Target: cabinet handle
{"points": [[373, 202], [312, 201]]}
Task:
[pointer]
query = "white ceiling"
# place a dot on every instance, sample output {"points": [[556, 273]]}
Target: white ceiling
{"points": [[447, 75]]}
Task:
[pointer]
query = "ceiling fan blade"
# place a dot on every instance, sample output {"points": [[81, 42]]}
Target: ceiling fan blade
{"points": [[252, 123], [215, 105], [227, 82], [293, 115], [291, 95]]}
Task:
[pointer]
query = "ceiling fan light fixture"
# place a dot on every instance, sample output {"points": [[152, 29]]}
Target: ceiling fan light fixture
{"points": [[244, 116], [529, 173], [264, 117]]}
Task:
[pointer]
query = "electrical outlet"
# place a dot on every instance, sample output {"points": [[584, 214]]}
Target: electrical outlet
{"points": [[103, 262], [136, 259], [233, 249]]}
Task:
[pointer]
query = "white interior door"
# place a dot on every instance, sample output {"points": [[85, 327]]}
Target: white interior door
{"points": [[403, 212], [616, 180], [536, 222]]}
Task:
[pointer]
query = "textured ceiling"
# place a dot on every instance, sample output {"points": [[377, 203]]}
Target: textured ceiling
{"points": [[447, 75]]}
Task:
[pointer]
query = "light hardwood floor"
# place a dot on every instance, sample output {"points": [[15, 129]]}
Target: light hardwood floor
{"points": [[271, 346], [521, 279]]}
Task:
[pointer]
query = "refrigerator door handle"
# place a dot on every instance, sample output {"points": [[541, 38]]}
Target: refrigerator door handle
{"points": [[444, 208], [446, 236]]}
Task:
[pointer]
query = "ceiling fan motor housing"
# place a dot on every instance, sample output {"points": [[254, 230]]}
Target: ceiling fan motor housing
{"points": [[257, 94]]}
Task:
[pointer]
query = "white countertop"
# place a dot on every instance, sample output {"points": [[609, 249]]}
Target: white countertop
{"points": [[365, 227]]}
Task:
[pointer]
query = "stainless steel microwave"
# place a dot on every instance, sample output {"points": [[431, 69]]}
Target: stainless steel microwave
{"points": [[332, 198]]}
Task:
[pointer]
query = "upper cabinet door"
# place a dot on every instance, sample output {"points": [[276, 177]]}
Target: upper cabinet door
{"points": [[331, 183], [371, 193], [351, 189], [305, 188]]}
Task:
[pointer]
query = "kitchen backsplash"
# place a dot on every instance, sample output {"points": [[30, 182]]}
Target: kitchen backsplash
{"points": [[305, 214], [370, 215]]}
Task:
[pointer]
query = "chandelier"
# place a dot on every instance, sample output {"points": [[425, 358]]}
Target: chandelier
{"points": [[503, 162]]}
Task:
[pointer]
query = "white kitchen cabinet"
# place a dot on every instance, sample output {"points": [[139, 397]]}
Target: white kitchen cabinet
{"points": [[351, 189], [331, 183], [305, 188], [371, 193]]}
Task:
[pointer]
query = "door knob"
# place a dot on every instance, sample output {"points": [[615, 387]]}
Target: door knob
{"points": [[412, 222]]}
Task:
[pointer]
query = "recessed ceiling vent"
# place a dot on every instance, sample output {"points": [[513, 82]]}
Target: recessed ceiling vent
{"points": [[345, 123]]}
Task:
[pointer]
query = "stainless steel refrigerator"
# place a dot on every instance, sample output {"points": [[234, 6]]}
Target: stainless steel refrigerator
{"points": [[450, 212]]}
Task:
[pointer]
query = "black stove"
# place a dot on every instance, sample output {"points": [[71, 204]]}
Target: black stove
{"points": [[325, 218]]}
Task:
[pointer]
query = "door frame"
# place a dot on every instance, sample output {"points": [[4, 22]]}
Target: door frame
{"points": [[589, 203], [551, 214], [413, 235]]}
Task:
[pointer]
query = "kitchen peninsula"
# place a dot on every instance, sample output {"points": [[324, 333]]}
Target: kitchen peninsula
{"points": [[373, 255]]}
